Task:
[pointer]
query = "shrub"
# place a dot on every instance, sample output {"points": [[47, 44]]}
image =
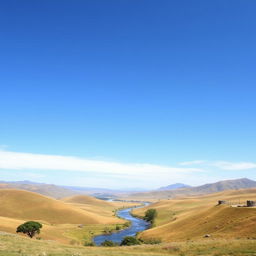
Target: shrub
{"points": [[150, 215], [127, 224], [152, 241], [107, 230], [130, 240], [89, 244], [108, 243]]}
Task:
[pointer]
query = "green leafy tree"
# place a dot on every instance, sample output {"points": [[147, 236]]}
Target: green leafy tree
{"points": [[150, 215], [130, 240], [30, 228]]}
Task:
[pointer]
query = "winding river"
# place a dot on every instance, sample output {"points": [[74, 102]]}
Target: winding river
{"points": [[137, 225]]}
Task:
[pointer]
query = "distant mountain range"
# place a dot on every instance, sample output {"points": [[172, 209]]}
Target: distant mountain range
{"points": [[174, 186], [40, 188], [63, 191], [199, 190], [225, 185], [170, 191]]}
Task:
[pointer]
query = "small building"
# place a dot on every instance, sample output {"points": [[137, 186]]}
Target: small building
{"points": [[250, 203], [222, 202]]}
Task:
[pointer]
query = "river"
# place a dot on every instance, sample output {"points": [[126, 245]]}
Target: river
{"points": [[137, 225]]}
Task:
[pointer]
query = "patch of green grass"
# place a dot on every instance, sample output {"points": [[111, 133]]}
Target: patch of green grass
{"points": [[87, 232]]}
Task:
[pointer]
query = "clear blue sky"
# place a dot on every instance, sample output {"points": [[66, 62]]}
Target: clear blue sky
{"points": [[155, 82]]}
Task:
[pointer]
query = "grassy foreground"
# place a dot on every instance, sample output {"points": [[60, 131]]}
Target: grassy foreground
{"points": [[12, 245]]}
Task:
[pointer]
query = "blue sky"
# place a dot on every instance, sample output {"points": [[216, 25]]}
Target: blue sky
{"points": [[136, 87]]}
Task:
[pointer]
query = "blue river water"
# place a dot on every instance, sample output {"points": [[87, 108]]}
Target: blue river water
{"points": [[136, 226]]}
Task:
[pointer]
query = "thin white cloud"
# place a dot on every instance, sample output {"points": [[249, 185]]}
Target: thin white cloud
{"points": [[223, 165], [195, 162], [28, 161], [234, 166]]}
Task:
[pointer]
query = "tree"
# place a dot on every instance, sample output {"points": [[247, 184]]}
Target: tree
{"points": [[29, 228], [130, 240], [150, 215]]}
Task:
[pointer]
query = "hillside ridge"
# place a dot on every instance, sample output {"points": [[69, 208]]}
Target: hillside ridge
{"points": [[209, 188]]}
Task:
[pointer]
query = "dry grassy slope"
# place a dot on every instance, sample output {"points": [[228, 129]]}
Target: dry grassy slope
{"points": [[63, 233], [193, 217], [95, 205], [83, 199], [26, 205], [91, 204], [59, 219], [49, 232]]}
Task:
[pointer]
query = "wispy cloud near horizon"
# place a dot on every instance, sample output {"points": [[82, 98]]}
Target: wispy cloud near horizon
{"points": [[223, 165], [234, 166], [29, 161], [105, 173], [195, 162]]}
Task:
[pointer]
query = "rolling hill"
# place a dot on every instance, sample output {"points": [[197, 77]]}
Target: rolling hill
{"points": [[96, 205], [193, 217], [19, 204], [84, 199], [76, 220]]}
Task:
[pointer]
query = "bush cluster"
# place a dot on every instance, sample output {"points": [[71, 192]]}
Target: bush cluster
{"points": [[130, 240], [150, 215], [89, 244], [109, 243]]}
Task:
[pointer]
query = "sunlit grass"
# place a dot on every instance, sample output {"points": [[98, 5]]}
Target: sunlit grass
{"points": [[13, 245]]}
